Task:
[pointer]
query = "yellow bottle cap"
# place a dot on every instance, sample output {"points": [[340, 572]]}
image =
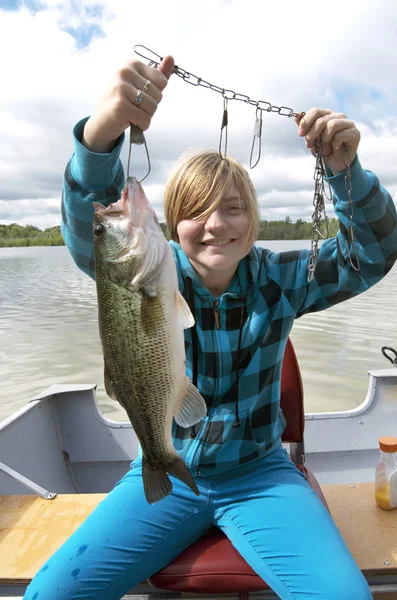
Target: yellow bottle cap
{"points": [[387, 443]]}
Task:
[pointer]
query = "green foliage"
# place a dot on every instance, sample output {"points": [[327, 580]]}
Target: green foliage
{"points": [[28, 235], [287, 230]]}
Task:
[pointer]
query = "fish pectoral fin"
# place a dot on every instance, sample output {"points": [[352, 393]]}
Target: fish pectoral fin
{"points": [[108, 385], [193, 408], [183, 311], [149, 313]]}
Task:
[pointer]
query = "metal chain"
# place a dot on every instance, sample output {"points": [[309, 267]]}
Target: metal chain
{"points": [[320, 173], [319, 208], [351, 241], [155, 60]]}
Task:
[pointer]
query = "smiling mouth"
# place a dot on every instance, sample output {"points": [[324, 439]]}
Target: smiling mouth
{"points": [[217, 242]]}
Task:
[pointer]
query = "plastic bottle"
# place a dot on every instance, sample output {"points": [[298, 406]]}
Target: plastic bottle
{"points": [[386, 474]]}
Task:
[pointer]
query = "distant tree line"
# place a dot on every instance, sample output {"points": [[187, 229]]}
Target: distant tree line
{"points": [[28, 235], [287, 230]]}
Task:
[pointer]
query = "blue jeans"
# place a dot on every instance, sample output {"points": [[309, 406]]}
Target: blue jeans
{"points": [[266, 508]]}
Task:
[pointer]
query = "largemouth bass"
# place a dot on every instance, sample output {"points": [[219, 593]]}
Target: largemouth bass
{"points": [[142, 316]]}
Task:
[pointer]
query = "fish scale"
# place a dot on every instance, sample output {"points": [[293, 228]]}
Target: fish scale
{"points": [[136, 383]]}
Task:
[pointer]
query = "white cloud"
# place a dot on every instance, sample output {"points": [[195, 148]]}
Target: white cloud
{"points": [[295, 55]]}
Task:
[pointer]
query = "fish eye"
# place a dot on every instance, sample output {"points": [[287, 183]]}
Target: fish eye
{"points": [[98, 230]]}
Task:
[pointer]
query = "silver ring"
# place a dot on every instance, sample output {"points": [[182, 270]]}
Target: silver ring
{"points": [[147, 85], [139, 97]]}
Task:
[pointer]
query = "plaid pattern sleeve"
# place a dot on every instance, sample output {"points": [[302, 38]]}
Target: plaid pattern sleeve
{"points": [[89, 178], [375, 231]]}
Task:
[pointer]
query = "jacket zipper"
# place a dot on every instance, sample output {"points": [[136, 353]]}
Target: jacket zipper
{"points": [[218, 346], [216, 314]]}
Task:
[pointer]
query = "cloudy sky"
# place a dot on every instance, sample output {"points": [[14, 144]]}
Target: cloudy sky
{"points": [[58, 58]]}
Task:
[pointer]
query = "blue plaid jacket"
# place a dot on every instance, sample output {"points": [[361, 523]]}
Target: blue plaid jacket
{"points": [[273, 290]]}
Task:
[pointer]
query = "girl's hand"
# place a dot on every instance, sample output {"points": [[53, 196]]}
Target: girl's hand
{"points": [[339, 135], [118, 108]]}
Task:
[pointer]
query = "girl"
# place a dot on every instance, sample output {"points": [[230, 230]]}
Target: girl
{"points": [[244, 300]]}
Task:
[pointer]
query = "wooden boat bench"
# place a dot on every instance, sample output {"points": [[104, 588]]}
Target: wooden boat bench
{"points": [[31, 529]]}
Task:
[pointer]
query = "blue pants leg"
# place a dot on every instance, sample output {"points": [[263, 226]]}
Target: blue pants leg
{"points": [[281, 528], [267, 509], [122, 542]]}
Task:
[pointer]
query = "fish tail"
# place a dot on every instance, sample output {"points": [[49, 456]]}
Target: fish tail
{"points": [[156, 483], [178, 469]]}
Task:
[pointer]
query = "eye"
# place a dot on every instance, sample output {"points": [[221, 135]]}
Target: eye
{"points": [[235, 209], [98, 231]]}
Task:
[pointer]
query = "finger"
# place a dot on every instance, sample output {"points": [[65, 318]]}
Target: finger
{"points": [[320, 125], [138, 117], [299, 119], [132, 77], [310, 117], [152, 91], [348, 137], [167, 66], [147, 104], [334, 126], [155, 76]]}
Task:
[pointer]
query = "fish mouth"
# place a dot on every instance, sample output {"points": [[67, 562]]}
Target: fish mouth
{"points": [[133, 216], [115, 209], [133, 205]]}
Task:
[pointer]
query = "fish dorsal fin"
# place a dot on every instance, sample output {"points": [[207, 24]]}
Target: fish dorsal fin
{"points": [[183, 312], [193, 408]]}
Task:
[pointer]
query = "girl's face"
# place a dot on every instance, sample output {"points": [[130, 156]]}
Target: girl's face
{"points": [[216, 245]]}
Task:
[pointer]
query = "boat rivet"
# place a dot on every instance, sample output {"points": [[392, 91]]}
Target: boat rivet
{"points": [[361, 422], [387, 562]]}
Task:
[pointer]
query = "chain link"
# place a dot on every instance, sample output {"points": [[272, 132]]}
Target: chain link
{"points": [[319, 208], [320, 173], [155, 60], [284, 111], [351, 241]]}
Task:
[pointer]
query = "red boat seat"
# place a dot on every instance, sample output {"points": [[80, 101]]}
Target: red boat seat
{"points": [[212, 565]]}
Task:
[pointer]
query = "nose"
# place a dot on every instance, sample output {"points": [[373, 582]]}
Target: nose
{"points": [[216, 221]]}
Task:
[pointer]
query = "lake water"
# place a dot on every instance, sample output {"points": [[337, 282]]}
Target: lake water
{"points": [[49, 334]]}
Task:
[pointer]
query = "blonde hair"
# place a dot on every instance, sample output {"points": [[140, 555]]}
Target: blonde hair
{"points": [[198, 184]]}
